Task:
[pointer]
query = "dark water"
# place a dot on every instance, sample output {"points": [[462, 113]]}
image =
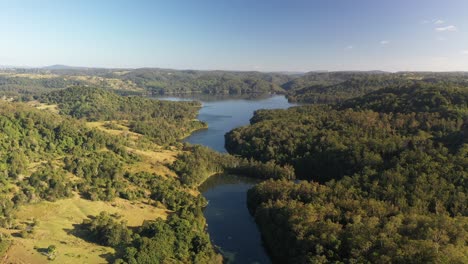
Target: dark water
{"points": [[230, 225]]}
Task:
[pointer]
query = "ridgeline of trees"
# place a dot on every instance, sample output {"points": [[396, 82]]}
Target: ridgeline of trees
{"points": [[163, 121], [388, 177], [340, 86], [448, 101], [28, 87], [198, 163], [311, 87], [334, 87], [164, 81]]}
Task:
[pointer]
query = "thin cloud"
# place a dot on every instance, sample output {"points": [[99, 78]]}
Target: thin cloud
{"points": [[447, 28], [439, 22], [349, 47], [384, 42], [464, 52]]}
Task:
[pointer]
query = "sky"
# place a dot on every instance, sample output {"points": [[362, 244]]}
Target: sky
{"points": [[260, 35]]}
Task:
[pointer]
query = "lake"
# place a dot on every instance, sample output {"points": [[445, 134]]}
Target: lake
{"points": [[232, 229], [224, 115]]}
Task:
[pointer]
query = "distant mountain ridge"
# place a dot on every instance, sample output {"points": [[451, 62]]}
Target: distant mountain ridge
{"points": [[307, 87], [64, 67]]}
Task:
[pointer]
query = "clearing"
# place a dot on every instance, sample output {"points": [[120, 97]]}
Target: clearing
{"points": [[57, 219]]}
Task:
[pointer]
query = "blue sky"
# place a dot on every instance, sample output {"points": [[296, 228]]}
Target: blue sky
{"points": [[263, 35]]}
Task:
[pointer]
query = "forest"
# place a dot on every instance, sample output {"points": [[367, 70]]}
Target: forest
{"points": [[386, 177], [163, 121]]}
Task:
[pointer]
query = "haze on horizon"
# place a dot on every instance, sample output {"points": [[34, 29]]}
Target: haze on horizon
{"points": [[263, 35]]}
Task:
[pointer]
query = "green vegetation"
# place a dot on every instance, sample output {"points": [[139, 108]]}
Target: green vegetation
{"points": [[163, 121], [26, 83], [181, 238], [52, 252], [326, 142], [333, 87], [198, 163], [338, 86], [162, 81], [5, 243], [451, 101], [105, 230], [388, 178], [340, 222], [175, 240]]}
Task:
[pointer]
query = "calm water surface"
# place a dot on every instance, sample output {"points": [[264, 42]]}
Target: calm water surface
{"points": [[224, 115], [230, 225]]}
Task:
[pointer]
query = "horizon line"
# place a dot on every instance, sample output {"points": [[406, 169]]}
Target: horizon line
{"points": [[72, 67]]}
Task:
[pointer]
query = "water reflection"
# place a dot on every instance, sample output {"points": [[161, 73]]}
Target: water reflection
{"points": [[212, 97], [224, 115]]}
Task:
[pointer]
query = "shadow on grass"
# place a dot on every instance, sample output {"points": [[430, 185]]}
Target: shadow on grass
{"points": [[16, 234], [81, 231], [109, 257], [43, 251]]}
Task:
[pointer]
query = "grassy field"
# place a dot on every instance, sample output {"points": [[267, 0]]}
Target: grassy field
{"points": [[121, 130], [153, 160], [4, 246], [56, 220], [113, 83], [50, 107], [29, 75]]}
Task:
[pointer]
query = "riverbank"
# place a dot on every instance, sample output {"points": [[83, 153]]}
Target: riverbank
{"points": [[230, 225]]}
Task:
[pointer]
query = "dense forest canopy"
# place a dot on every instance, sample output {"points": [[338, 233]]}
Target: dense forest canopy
{"points": [[387, 177], [445, 100], [160, 81]]}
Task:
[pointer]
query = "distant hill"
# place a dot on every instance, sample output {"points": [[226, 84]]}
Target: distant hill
{"points": [[421, 97], [310, 87], [163, 121], [63, 67]]}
